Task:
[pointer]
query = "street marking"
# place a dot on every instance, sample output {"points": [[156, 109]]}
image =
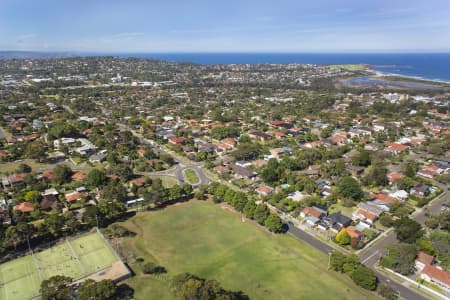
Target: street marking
{"points": [[375, 253]]}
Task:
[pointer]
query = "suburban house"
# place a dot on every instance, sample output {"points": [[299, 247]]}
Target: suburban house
{"points": [[430, 273], [423, 260], [337, 221], [261, 136], [75, 196], [243, 173], [436, 276], [313, 211], [24, 207], [393, 177], [47, 201], [395, 148], [263, 190], [177, 141], [79, 176], [354, 233], [420, 190], [366, 213], [430, 171]]}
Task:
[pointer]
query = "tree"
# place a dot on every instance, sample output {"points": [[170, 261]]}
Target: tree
{"points": [[187, 286], [98, 290], [401, 259], [364, 277], [36, 150], [186, 189], [61, 174], [56, 288], [386, 220], [411, 169], [249, 209], [114, 191], [387, 292], [261, 213], [271, 173], [362, 159], [273, 223], [96, 178], [24, 168], [337, 261], [407, 230], [152, 268], [342, 238], [32, 196], [54, 224], [349, 187], [239, 201]]}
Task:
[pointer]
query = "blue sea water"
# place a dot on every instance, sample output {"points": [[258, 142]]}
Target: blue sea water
{"points": [[433, 66]]}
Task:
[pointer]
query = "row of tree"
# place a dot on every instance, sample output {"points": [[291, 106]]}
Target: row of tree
{"points": [[245, 204], [61, 288]]}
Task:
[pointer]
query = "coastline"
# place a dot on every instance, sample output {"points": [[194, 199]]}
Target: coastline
{"points": [[377, 73]]}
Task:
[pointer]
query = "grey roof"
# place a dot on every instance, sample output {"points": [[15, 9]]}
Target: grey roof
{"points": [[370, 207]]}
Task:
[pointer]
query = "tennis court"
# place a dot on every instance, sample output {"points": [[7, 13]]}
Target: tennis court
{"points": [[20, 278]]}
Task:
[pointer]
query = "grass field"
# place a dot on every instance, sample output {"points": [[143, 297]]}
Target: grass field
{"points": [[20, 278], [204, 239], [191, 176]]}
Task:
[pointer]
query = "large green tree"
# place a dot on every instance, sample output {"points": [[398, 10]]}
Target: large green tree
{"points": [[98, 290], [274, 223], [349, 187], [408, 230], [56, 288]]}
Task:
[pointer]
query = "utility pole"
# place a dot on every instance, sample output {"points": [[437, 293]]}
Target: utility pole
{"points": [[329, 260]]}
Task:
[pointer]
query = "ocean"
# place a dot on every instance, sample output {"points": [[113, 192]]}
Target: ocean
{"points": [[431, 66]]}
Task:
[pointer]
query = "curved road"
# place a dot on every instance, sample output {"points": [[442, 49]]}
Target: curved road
{"points": [[369, 257]]}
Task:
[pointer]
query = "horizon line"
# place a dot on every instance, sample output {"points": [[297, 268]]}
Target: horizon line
{"points": [[102, 53]]}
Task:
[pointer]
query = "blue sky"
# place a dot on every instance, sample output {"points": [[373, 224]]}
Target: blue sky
{"points": [[225, 25]]}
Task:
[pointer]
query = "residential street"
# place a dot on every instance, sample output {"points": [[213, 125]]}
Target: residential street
{"points": [[369, 256]]}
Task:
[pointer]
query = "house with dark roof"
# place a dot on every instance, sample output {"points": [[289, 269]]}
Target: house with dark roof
{"points": [[48, 201], [243, 173], [420, 190], [337, 221]]}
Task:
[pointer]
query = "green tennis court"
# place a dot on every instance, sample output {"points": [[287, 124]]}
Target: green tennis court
{"points": [[20, 278]]}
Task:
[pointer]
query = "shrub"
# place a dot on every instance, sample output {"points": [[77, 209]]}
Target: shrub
{"points": [[152, 268]]}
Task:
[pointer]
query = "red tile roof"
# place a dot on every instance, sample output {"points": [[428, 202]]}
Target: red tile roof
{"points": [[354, 233], [311, 211], [385, 198], [366, 214], [437, 274], [79, 176], [24, 207], [425, 258]]}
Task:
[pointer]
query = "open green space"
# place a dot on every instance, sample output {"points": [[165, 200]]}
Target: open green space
{"points": [[207, 240], [20, 278], [167, 181], [191, 176]]}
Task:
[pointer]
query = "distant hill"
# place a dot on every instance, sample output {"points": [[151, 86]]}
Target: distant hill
{"points": [[32, 54]]}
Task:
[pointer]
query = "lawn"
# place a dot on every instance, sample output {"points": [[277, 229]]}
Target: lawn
{"points": [[20, 278], [191, 176], [204, 239], [167, 181]]}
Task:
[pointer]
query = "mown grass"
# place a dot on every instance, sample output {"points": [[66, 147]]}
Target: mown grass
{"points": [[206, 240], [191, 176]]}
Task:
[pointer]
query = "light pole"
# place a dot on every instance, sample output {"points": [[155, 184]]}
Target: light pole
{"points": [[329, 260]]}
